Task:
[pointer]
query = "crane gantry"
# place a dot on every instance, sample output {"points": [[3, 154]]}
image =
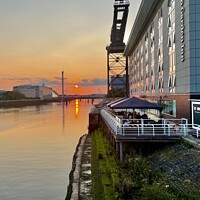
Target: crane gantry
{"points": [[117, 64]]}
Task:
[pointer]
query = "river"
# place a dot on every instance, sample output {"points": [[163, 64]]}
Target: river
{"points": [[37, 144]]}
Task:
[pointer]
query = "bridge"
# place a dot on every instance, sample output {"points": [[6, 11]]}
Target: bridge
{"points": [[91, 96], [76, 96]]}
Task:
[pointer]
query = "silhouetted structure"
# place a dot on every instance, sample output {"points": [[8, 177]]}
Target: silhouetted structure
{"points": [[117, 64]]}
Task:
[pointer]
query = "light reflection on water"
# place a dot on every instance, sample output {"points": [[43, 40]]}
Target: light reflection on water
{"points": [[37, 144]]}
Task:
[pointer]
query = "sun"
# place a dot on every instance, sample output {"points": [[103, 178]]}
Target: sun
{"points": [[76, 86]]}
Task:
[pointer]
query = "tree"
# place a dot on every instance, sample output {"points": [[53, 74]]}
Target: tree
{"points": [[14, 95]]}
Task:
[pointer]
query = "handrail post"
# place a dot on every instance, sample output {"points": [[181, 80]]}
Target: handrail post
{"points": [[164, 125], [153, 130], [142, 127], [168, 129], [184, 130], [186, 123]]}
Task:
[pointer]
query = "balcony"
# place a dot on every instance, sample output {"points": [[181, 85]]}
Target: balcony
{"points": [[146, 130]]}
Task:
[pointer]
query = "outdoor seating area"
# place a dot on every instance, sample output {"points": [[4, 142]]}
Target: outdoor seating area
{"points": [[130, 117], [141, 127], [132, 120]]}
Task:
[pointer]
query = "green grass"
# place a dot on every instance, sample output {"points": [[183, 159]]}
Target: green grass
{"points": [[104, 168]]}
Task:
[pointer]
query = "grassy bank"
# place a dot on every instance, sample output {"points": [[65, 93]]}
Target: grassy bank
{"points": [[105, 171], [166, 174]]}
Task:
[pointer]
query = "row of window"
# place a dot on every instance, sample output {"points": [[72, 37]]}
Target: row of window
{"points": [[137, 59]]}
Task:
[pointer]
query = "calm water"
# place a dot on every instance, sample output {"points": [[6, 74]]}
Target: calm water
{"points": [[37, 144]]}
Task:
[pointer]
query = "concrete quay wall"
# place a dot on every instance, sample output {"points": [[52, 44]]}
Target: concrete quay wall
{"points": [[21, 103], [73, 191]]}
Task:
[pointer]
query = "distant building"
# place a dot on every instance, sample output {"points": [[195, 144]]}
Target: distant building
{"points": [[39, 92], [2, 93]]}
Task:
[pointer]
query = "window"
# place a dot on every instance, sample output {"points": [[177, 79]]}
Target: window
{"points": [[171, 46], [169, 43], [169, 24], [158, 52], [169, 82], [146, 37], [174, 80], [151, 72], [173, 37], [151, 28], [169, 107], [169, 3], [160, 13]]}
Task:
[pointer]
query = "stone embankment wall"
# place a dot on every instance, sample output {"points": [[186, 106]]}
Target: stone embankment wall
{"points": [[73, 191], [80, 181], [20, 103]]}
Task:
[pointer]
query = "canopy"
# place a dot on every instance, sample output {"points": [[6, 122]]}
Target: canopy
{"points": [[135, 103], [116, 101]]}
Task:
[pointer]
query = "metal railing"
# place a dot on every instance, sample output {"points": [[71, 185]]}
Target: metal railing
{"points": [[147, 127], [194, 129], [112, 120], [123, 2]]}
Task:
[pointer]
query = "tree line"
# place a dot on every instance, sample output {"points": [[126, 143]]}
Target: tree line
{"points": [[12, 95]]}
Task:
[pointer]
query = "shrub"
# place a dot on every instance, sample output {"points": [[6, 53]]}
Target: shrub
{"points": [[156, 191]]}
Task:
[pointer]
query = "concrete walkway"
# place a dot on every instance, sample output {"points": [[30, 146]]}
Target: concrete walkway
{"points": [[193, 140]]}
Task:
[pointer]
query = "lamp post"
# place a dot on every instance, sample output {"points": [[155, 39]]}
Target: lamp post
{"points": [[62, 86]]}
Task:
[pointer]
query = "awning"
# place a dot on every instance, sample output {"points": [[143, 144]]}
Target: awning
{"points": [[116, 101], [135, 103]]}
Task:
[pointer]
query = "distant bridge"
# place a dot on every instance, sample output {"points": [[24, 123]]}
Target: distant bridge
{"points": [[76, 96], [92, 96]]}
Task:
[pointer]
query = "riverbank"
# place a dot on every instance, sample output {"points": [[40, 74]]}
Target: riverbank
{"points": [[73, 190], [80, 178], [168, 172], [21, 103]]}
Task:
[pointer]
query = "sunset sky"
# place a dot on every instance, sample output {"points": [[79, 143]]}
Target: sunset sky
{"points": [[40, 38]]}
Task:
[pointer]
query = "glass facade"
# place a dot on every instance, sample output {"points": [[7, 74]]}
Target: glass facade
{"points": [[171, 46], [164, 54], [169, 107]]}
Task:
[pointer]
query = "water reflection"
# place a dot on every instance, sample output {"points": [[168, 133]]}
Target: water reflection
{"points": [[76, 108], [63, 115], [37, 147]]}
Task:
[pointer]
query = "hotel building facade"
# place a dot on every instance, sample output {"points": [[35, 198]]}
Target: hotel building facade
{"points": [[164, 55]]}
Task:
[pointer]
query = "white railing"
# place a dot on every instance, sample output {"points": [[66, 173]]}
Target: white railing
{"points": [[194, 129], [112, 120], [123, 2], [147, 127]]}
